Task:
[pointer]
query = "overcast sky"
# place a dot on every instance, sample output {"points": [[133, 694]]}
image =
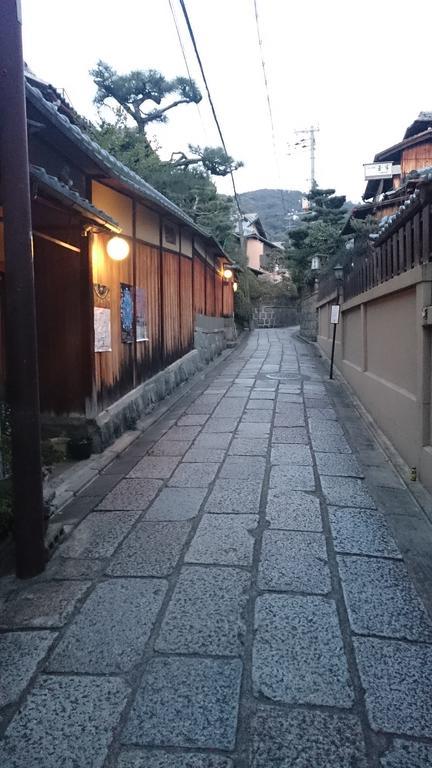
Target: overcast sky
{"points": [[352, 68]]}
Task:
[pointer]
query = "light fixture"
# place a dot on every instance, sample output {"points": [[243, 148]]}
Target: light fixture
{"points": [[117, 248], [235, 286], [338, 273], [227, 273], [315, 263]]}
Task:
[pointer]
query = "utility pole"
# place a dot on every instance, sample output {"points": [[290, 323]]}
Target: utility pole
{"points": [[21, 340], [309, 142]]}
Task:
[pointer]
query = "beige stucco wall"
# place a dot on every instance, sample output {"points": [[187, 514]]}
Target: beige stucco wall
{"points": [[352, 348], [254, 251], [115, 204], [147, 225], [384, 352]]}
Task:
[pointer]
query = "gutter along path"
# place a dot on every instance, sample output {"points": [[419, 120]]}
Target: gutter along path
{"points": [[231, 593]]}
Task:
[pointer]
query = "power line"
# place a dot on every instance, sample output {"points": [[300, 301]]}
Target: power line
{"points": [[186, 65], [270, 111], [195, 47]]}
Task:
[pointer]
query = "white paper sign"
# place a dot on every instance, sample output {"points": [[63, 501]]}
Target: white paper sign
{"points": [[102, 329], [335, 312]]}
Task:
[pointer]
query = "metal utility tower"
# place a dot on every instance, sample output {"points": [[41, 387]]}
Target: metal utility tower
{"points": [[309, 142]]}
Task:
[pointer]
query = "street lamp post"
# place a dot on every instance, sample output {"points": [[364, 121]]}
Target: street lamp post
{"points": [[338, 273]]}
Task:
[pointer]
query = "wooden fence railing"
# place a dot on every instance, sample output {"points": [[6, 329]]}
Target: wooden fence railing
{"points": [[404, 243]]}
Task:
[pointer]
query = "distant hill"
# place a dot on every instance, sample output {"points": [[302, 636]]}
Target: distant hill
{"points": [[272, 206]]}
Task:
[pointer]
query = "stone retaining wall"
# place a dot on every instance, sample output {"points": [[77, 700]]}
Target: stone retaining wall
{"points": [[309, 317], [276, 315]]}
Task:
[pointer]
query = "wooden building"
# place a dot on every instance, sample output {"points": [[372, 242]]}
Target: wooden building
{"points": [[399, 169], [107, 326]]}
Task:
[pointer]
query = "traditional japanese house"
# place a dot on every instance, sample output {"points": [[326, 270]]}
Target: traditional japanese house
{"points": [[124, 280], [394, 174], [258, 247]]}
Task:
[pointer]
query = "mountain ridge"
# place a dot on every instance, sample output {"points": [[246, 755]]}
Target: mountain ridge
{"points": [[273, 206]]}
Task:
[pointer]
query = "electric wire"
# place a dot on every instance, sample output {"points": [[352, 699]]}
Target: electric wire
{"points": [[269, 106], [215, 117], [186, 64]]}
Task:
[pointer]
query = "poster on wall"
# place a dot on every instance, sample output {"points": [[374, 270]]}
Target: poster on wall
{"points": [[102, 329], [126, 313], [102, 318], [140, 315]]}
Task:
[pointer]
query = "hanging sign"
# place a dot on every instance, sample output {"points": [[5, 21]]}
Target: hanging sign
{"points": [[126, 313], [141, 333], [335, 314]]}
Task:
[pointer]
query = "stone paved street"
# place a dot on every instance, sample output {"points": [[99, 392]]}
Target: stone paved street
{"points": [[247, 586]]}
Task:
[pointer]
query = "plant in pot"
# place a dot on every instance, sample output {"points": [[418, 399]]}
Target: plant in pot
{"points": [[80, 444]]}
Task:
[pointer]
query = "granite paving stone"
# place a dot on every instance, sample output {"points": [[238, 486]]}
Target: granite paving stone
{"points": [[338, 465], [221, 424], [44, 604], [151, 549], [186, 702], [193, 475], [238, 392], [165, 447], [292, 477], [321, 414], [230, 407], [131, 494], [362, 532], [99, 534], [289, 453], [316, 402], [243, 468], [290, 435], [200, 454], [192, 420], [155, 467], [205, 613], [330, 443], [153, 758], [294, 561], [289, 397], [302, 739], [109, 634], [176, 504], [346, 491], [381, 600], [66, 568], [218, 440], [21, 653], [397, 678], [182, 433], [298, 654], [251, 429], [296, 511], [56, 725], [260, 405], [262, 394], [291, 418], [223, 540], [256, 417], [234, 497], [252, 446], [407, 754], [318, 427]]}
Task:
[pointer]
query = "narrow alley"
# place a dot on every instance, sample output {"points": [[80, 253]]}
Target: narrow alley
{"points": [[243, 587]]}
